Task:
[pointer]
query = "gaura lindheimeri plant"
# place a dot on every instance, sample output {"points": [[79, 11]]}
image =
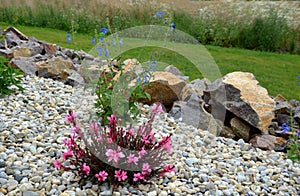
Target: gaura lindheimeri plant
{"points": [[115, 154]]}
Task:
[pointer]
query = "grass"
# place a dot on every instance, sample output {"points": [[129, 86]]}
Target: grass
{"points": [[276, 72]]}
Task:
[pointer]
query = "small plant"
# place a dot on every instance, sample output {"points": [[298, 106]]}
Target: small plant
{"points": [[107, 91], [8, 77], [293, 150], [115, 154], [114, 81]]}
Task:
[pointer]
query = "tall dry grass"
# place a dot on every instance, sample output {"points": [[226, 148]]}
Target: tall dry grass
{"points": [[211, 22], [234, 9]]}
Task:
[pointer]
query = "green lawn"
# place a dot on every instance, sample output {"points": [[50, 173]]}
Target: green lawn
{"points": [[276, 72]]}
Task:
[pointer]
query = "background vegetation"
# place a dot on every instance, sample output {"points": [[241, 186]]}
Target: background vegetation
{"points": [[267, 26]]}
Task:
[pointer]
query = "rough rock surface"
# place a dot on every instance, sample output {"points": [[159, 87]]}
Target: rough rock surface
{"points": [[240, 129], [55, 67], [240, 94], [266, 142], [192, 113], [164, 87]]}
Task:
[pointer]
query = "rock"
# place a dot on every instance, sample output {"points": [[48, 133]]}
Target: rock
{"points": [[54, 68], [283, 107], [131, 68], [191, 161], [280, 97], [22, 52], [227, 132], [7, 53], [75, 79], [239, 93], [192, 113], [2, 190], [266, 142], [152, 193], [30, 193], [297, 115], [174, 70], [195, 87], [15, 33], [165, 87], [26, 65], [48, 48], [294, 103], [240, 128], [282, 118]]}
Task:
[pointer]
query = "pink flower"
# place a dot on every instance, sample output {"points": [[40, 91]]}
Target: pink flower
{"points": [[70, 117], [142, 152], [167, 147], [167, 169], [114, 155], [69, 143], [145, 140], [101, 176], [99, 138], [152, 135], [138, 176], [67, 154], [86, 168], [121, 175], [166, 143], [112, 119], [146, 169], [57, 164], [132, 159], [80, 152], [156, 108], [76, 131], [109, 140], [130, 131], [94, 127]]}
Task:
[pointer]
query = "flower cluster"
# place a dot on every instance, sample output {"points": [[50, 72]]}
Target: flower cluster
{"points": [[116, 154], [285, 128]]}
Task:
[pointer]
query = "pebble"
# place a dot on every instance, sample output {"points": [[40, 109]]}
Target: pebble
{"points": [[32, 130]]}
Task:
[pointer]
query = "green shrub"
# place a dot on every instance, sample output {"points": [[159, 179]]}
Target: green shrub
{"points": [[8, 77], [266, 33]]}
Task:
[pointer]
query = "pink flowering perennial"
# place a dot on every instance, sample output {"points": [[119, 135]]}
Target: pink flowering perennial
{"points": [[121, 175]]}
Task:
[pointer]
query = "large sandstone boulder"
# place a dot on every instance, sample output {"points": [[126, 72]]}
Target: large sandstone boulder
{"points": [[55, 67], [164, 87], [240, 94]]}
